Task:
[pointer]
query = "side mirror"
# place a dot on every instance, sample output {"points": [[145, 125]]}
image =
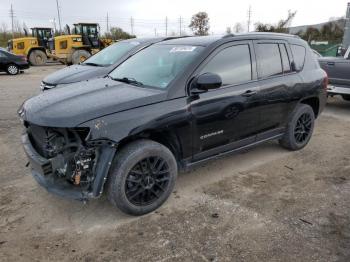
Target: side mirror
{"points": [[294, 67], [205, 82]]}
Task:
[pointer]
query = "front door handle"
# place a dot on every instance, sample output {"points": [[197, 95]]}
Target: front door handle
{"points": [[330, 63], [249, 93]]}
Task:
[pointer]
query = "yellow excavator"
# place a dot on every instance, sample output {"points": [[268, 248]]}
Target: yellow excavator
{"points": [[72, 48]]}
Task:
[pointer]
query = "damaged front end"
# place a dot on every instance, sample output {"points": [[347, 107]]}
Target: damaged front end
{"points": [[66, 162]]}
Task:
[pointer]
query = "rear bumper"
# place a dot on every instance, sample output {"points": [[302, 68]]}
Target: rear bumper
{"points": [[41, 170], [338, 90]]}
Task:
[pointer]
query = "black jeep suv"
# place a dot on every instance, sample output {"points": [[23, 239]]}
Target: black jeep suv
{"points": [[172, 105]]}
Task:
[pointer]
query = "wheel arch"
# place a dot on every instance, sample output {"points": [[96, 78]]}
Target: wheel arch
{"points": [[314, 103], [166, 138]]}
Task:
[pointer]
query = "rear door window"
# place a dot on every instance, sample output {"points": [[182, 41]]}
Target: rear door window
{"points": [[298, 55], [268, 60]]}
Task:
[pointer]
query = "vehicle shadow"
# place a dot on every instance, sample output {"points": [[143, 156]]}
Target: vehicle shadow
{"points": [[99, 214]]}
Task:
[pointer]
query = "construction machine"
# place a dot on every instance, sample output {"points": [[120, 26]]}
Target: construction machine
{"points": [[33, 47], [70, 48]]}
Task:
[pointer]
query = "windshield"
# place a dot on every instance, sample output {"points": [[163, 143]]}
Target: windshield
{"points": [[111, 54], [156, 66]]}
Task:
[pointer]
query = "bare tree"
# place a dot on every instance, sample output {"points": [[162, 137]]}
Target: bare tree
{"points": [[17, 28], [200, 23], [238, 28], [3, 28], [281, 27]]}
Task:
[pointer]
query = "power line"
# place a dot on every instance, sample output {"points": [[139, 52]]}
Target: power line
{"points": [[59, 16]]}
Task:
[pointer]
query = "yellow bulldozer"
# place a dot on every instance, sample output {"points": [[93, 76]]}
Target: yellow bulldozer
{"points": [[70, 48]]}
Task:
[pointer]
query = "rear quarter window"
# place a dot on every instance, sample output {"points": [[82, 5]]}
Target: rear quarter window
{"points": [[298, 55]]}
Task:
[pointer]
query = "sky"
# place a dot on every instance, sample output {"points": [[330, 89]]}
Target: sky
{"points": [[149, 15]]}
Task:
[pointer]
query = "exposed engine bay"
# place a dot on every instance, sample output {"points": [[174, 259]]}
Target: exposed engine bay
{"points": [[71, 157]]}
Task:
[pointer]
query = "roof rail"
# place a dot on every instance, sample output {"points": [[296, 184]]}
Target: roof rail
{"points": [[228, 35]]}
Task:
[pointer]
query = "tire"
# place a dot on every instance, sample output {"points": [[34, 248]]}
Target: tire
{"points": [[12, 69], [346, 97], [37, 58], [79, 56], [132, 187], [299, 129]]}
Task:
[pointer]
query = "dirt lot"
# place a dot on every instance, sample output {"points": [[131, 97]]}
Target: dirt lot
{"points": [[266, 204]]}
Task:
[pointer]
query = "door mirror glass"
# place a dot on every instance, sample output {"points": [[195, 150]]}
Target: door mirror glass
{"points": [[206, 82]]}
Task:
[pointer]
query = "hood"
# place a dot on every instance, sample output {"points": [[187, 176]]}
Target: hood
{"points": [[76, 73], [77, 103]]}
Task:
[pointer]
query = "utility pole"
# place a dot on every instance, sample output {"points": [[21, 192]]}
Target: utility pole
{"points": [[107, 23], [12, 15], [59, 16], [132, 25], [166, 26], [249, 17], [180, 25], [54, 24]]}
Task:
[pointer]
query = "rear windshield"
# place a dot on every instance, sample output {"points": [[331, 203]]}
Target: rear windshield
{"points": [[298, 55], [111, 54]]}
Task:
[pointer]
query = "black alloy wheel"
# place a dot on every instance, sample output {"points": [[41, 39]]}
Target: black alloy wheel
{"points": [[303, 128], [299, 129], [142, 177], [147, 181]]}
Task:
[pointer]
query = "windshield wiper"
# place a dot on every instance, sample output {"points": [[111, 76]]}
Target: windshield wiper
{"points": [[92, 64], [128, 80]]}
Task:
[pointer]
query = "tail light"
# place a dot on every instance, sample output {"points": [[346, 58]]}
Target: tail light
{"points": [[325, 81]]}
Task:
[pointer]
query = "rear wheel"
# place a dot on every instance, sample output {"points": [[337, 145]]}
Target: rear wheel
{"points": [[37, 58], [346, 97], [79, 56], [12, 69], [142, 178], [299, 129]]}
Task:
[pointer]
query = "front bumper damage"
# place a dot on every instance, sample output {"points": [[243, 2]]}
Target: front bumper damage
{"points": [[43, 171]]}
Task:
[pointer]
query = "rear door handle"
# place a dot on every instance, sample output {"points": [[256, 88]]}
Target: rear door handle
{"points": [[249, 93], [330, 63]]}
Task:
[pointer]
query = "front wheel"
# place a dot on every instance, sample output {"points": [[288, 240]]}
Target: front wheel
{"points": [[142, 177], [37, 58], [299, 129], [12, 69]]}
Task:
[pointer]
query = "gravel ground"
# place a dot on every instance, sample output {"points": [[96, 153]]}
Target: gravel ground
{"points": [[265, 204]]}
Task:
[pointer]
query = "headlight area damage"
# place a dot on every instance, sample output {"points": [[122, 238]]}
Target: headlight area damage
{"points": [[66, 162]]}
